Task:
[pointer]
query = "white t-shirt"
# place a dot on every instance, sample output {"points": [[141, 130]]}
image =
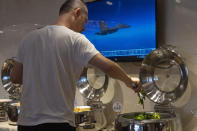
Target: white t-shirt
{"points": [[53, 58]]}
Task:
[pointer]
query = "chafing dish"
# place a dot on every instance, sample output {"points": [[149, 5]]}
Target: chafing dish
{"points": [[125, 122], [3, 107], [83, 114], [13, 110], [164, 78], [93, 91]]}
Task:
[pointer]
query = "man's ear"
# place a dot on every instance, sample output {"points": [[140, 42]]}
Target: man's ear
{"points": [[77, 12]]}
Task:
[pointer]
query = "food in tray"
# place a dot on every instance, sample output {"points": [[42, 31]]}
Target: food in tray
{"points": [[145, 116], [5, 100], [81, 108]]}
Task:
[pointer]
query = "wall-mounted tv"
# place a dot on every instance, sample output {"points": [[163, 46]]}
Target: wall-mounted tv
{"points": [[122, 30]]}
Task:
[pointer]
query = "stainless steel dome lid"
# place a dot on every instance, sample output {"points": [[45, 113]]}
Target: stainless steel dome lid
{"points": [[164, 75], [14, 90], [88, 90]]}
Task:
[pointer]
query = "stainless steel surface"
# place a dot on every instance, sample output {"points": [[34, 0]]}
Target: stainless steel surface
{"points": [[3, 106], [165, 109], [4, 102], [124, 122], [89, 91], [81, 117], [14, 90], [82, 114], [95, 105], [13, 111], [3, 115], [85, 119], [164, 75]]}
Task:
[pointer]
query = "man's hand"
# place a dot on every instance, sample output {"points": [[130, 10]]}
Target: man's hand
{"points": [[138, 87], [135, 85]]}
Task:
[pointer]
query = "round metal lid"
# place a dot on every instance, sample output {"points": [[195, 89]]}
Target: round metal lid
{"points": [[92, 90], [164, 75], [14, 90]]}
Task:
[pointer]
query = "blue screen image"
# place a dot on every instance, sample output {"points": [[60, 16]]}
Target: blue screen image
{"points": [[120, 28]]}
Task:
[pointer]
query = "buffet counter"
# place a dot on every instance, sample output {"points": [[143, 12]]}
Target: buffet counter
{"points": [[4, 126]]}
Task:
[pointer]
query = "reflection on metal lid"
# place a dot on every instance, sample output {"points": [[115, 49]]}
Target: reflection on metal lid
{"points": [[6, 78]]}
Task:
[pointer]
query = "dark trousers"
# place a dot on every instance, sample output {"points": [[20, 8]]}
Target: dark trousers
{"points": [[48, 127]]}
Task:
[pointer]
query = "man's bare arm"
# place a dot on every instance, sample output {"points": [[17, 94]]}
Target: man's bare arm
{"points": [[112, 69], [16, 73]]}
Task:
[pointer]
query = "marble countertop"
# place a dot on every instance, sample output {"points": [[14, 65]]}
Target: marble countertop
{"points": [[5, 126]]}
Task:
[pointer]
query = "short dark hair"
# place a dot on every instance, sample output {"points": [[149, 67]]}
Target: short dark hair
{"points": [[68, 5]]}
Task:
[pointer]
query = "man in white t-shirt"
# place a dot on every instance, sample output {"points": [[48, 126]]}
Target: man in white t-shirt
{"points": [[49, 63]]}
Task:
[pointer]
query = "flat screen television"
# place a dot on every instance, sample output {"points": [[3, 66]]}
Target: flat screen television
{"points": [[122, 30]]}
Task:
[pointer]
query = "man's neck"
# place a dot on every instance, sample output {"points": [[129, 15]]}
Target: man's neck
{"points": [[64, 20]]}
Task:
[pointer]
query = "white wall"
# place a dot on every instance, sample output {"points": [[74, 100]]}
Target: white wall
{"points": [[177, 25], [180, 30]]}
